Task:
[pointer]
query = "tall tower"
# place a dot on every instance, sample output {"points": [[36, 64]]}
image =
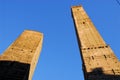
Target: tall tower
{"points": [[99, 61], [18, 62]]}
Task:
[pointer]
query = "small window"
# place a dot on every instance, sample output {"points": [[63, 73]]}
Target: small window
{"points": [[83, 22], [105, 56], [92, 57]]}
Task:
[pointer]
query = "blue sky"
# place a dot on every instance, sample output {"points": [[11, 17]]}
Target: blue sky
{"points": [[60, 57]]}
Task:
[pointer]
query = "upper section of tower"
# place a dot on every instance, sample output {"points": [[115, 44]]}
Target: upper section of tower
{"points": [[88, 35], [76, 9], [24, 48]]}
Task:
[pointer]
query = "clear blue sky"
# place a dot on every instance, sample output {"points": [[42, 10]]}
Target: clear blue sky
{"points": [[60, 57]]}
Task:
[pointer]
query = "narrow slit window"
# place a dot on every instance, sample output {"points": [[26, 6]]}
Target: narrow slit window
{"points": [[92, 57], [105, 56]]}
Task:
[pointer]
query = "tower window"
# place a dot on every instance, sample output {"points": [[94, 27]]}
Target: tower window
{"points": [[105, 56], [92, 57], [83, 22]]}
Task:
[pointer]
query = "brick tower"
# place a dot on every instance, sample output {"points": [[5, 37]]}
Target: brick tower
{"points": [[99, 61], [18, 62]]}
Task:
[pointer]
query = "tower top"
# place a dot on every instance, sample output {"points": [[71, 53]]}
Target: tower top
{"points": [[25, 45], [33, 31], [76, 6]]}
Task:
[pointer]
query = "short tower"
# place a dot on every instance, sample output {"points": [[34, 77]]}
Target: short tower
{"points": [[18, 62]]}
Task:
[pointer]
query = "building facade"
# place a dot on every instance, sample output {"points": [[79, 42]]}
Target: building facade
{"points": [[99, 61]]}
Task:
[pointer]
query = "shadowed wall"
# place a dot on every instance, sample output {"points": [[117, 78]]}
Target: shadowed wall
{"points": [[11, 70]]}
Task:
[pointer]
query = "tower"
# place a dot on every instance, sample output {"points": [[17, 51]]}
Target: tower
{"points": [[99, 61], [18, 62]]}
